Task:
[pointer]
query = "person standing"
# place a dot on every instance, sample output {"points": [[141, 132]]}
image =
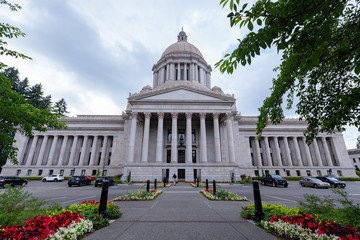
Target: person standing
{"points": [[174, 177]]}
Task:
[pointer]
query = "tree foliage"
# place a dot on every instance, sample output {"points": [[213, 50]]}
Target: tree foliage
{"points": [[320, 46], [16, 114]]}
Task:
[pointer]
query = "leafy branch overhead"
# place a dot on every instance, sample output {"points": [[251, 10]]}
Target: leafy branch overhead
{"points": [[320, 46]]}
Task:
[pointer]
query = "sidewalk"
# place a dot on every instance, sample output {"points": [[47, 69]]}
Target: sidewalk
{"points": [[181, 212]]}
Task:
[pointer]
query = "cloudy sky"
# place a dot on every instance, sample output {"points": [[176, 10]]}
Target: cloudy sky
{"points": [[93, 53]]}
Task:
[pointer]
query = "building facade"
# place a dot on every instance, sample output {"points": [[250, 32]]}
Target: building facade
{"points": [[179, 125]]}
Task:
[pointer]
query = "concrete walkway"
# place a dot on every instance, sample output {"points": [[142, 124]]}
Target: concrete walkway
{"points": [[181, 212]]}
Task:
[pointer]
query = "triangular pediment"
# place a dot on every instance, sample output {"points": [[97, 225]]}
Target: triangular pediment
{"points": [[182, 94]]}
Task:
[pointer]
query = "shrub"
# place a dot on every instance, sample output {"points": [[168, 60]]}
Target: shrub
{"points": [[17, 206], [139, 195], [349, 178], [293, 178], [248, 212], [243, 177], [128, 178]]}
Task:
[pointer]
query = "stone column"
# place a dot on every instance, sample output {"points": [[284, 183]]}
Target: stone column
{"points": [[258, 155], [230, 137], [217, 138], [192, 72], [155, 81], [196, 73], [131, 148], [62, 151], [103, 152], [277, 148], [159, 140], [73, 150], [297, 151], [52, 151], [42, 150], [203, 148], [145, 147], [172, 71], [287, 152], [307, 152], [317, 153], [188, 139], [267, 151], [178, 73], [174, 154], [185, 75], [93, 151], [32, 150], [83, 151], [327, 152]]}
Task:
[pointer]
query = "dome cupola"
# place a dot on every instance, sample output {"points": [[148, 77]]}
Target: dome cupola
{"points": [[182, 63]]}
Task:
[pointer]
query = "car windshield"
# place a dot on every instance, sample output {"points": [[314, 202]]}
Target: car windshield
{"points": [[332, 179], [276, 176], [316, 180]]}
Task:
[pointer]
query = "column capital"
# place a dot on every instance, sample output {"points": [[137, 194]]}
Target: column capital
{"points": [[216, 115], [228, 116], [147, 114], [161, 114], [174, 115], [134, 114], [188, 115], [202, 115]]}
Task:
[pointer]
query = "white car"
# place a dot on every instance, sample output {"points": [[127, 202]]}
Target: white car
{"points": [[53, 177]]}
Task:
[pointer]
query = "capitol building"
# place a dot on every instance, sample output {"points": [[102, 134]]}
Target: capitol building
{"points": [[181, 124]]}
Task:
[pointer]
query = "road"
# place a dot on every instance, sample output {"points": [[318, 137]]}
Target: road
{"points": [[59, 192]]}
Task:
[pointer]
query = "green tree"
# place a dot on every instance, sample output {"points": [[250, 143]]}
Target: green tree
{"points": [[16, 114], [60, 107], [320, 46], [358, 142]]}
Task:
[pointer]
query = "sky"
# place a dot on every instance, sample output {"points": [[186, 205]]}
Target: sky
{"points": [[94, 53]]}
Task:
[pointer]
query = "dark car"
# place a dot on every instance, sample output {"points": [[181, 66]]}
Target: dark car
{"points": [[313, 182], [274, 180], [13, 181], [99, 181], [79, 180], [332, 181]]}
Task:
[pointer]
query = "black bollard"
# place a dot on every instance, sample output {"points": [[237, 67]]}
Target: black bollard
{"points": [[148, 185], [214, 187], [164, 180], [259, 214], [103, 198], [198, 183], [207, 184], [155, 185]]}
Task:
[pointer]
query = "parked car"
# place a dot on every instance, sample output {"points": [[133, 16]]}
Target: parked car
{"points": [[313, 182], [99, 181], [13, 181], [274, 180], [332, 181], [89, 177], [53, 177], [79, 180]]}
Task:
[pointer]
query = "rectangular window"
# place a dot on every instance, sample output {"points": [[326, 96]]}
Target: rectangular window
{"points": [[40, 172], [354, 160], [266, 172], [277, 172], [182, 74], [339, 173], [194, 156], [51, 171], [83, 172], [62, 172], [168, 156], [18, 172], [288, 173], [298, 173], [72, 172], [193, 135], [308, 173], [169, 136], [318, 172], [29, 172], [93, 173], [104, 173], [256, 173]]}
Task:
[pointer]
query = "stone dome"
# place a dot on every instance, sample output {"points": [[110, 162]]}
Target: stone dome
{"points": [[182, 46]]}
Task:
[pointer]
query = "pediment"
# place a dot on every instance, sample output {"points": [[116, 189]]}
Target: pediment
{"points": [[182, 94]]}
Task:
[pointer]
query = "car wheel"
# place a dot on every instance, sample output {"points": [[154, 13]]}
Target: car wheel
{"points": [[303, 185], [262, 182], [79, 184], [274, 184], [316, 186], [69, 185], [332, 185], [286, 185], [55, 180], [44, 180], [23, 184]]}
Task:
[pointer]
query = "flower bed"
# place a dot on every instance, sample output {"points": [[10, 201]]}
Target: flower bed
{"points": [[202, 185], [45, 226], [304, 226], [139, 195], [160, 185], [222, 195]]}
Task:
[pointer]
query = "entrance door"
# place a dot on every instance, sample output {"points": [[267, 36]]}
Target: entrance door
{"points": [[181, 175], [181, 156]]}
